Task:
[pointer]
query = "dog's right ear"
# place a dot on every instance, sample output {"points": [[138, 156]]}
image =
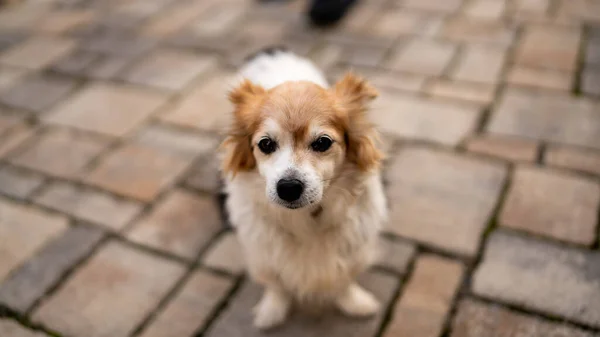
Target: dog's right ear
{"points": [[238, 144]]}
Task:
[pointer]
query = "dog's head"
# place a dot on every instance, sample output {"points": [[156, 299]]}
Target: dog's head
{"points": [[299, 135]]}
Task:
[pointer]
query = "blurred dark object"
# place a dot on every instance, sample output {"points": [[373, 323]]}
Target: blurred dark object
{"points": [[328, 12]]}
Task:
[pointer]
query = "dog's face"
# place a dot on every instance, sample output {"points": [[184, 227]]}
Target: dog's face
{"points": [[298, 136]]}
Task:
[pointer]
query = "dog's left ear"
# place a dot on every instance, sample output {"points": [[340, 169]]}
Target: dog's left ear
{"points": [[237, 145], [354, 95]]}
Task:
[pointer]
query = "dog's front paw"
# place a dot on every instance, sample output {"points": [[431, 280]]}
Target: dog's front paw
{"points": [[271, 311], [358, 302]]}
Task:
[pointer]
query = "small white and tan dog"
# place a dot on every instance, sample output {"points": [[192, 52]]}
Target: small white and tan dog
{"points": [[302, 174]]}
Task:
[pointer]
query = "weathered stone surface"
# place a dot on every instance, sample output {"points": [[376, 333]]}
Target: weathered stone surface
{"points": [[9, 76], [470, 30], [37, 52], [423, 57], [485, 9], [557, 205], [236, 321], [34, 278], [475, 319], [547, 116], [37, 93], [215, 115], [549, 47], [442, 199], [137, 171], [395, 255], [470, 92], [573, 158], [182, 224], [14, 138], [482, 64], [17, 183], [433, 5], [106, 108], [116, 277], [75, 151], [11, 328], [540, 78], [590, 81], [24, 230], [541, 276], [205, 174], [426, 299], [413, 117], [169, 69], [513, 149], [188, 312], [184, 144], [58, 22], [226, 254], [88, 205]]}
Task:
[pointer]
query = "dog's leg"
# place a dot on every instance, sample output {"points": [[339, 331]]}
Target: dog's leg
{"points": [[272, 309], [356, 301]]}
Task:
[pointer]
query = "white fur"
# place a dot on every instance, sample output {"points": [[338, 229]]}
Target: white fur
{"points": [[297, 256], [272, 70]]}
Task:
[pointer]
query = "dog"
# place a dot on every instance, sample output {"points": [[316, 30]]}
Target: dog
{"points": [[301, 169]]}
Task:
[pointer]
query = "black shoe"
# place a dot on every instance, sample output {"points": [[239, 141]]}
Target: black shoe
{"points": [[328, 12]]}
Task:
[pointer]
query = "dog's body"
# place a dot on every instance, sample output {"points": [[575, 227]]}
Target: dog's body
{"points": [[310, 254]]}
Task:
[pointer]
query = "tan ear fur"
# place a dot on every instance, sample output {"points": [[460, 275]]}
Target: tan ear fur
{"points": [[237, 145], [354, 94]]}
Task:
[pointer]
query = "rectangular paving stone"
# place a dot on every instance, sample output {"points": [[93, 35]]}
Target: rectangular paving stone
{"points": [[24, 230], [547, 116], [181, 143], [137, 171], [548, 203], [37, 93], [18, 183], [189, 311], [205, 175], [486, 9], [540, 78], [573, 158], [470, 30], [76, 62], [216, 112], [182, 224], [480, 64], [33, 279], [117, 277], [37, 52], [109, 67], [471, 92], [590, 81], [60, 21], [175, 18], [11, 328], [513, 149], [423, 57], [396, 22], [549, 47], [88, 205], [540, 276], [169, 69], [60, 153], [226, 254], [9, 76], [442, 199], [476, 319], [14, 138], [401, 82], [236, 321], [448, 6], [116, 43], [395, 254], [420, 118], [426, 299], [111, 109]]}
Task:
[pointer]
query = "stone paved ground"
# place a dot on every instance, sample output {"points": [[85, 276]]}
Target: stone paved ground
{"points": [[110, 112]]}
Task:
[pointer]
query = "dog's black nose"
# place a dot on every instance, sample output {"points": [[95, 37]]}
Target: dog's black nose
{"points": [[289, 189]]}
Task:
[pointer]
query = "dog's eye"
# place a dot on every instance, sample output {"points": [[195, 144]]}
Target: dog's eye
{"points": [[267, 145], [322, 144]]}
